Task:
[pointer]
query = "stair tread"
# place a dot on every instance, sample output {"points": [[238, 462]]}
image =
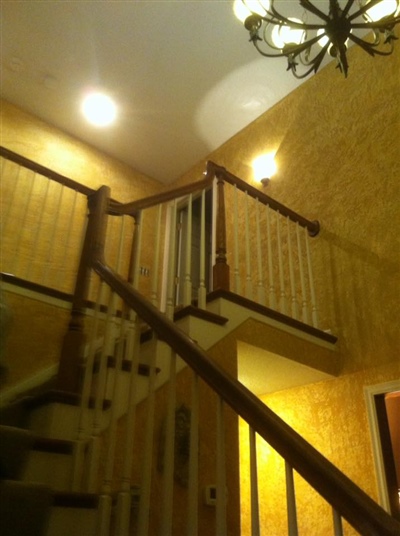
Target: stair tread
{"points": [[191, 310], [271, 313]]}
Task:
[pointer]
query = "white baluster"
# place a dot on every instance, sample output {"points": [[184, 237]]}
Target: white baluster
{"points": [[249, 287], [169, 459], [156, 260], [172, 265], [221, 528], [255, 514], [237, 288], [33, 253], [304, 307], [337, 523], [10, 202], [84, 414], [291, 501], [282, 301], [114, 381], [52, 241], [137, 249], [260, 283], [293, 298], [193, 495], [272, 293], [314, 313], [68, 238], [124, 496], [21, 228], [144, 505], [187, 284], [106, 351], [203, 260]]}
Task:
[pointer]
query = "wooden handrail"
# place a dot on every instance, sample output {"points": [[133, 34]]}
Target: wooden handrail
{"points": [[220, 172], [46, 172], [352, 503], [135, 206], [347, 498]]}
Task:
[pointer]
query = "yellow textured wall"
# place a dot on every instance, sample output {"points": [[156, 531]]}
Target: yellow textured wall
{"points": [[26, 135], [338, 147]]}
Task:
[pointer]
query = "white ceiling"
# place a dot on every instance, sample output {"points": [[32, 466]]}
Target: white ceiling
{"points": [[183, 74]]}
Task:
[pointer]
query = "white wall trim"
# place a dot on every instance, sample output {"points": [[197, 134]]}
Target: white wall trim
{"points": [[370, 392]]}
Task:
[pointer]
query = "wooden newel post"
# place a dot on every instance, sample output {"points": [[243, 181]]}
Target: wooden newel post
{"points": [[221, 268], [71, 361]]}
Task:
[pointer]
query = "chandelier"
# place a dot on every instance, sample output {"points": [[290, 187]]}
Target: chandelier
{"points": [[306, 40]]}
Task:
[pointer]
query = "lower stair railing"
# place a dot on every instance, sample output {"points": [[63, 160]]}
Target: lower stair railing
{"points": [[166, 459]]}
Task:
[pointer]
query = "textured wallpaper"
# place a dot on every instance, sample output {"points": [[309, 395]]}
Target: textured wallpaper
{"points": [[338, 157]]}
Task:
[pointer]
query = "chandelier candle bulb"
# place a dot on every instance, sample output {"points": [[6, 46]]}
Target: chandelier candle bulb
{"points": [[346, 22]]}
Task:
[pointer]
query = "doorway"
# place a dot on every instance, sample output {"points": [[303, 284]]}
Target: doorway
{"points": [[195, 253], [383, 402]]}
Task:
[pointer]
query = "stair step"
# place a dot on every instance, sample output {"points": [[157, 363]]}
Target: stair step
{"points": [[73, 513], [50, 462], [191, 310]]}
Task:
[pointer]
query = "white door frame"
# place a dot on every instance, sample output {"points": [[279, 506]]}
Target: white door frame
{"points": [[166, 256], [370, 392]]}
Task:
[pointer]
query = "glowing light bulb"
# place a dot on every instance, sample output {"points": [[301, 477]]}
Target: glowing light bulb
{"points": [[382, 9], [245, 8], [264, 166], [324, 40], [99, 109], [284, 35]]}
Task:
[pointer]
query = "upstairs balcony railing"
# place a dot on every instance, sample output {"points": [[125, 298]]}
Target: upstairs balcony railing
{"points": [[218, 233]]}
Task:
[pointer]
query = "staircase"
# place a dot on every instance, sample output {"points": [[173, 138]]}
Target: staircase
{"points": [[139, 432]]}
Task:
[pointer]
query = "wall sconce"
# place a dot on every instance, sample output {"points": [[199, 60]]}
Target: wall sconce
{"points": [[264, 167]]}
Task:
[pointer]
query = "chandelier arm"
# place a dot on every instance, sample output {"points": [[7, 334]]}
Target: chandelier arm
{"points": [[279, 54], [347, 8], [295, 50], [370, 47], [274, 17], [314, 64], [377, 24], [317, 60], [309, 6], [303, 25], [300, 76]]}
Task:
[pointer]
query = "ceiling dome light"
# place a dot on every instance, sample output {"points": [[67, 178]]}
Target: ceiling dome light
{"points": [[99, 109]]}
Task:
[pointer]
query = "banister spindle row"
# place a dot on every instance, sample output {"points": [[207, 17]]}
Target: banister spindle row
{"points": [[22, 228]]}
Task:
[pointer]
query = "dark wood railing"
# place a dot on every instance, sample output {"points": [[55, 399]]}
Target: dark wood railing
{"points": [[222, 174], [46, 172], [346, 498]]}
